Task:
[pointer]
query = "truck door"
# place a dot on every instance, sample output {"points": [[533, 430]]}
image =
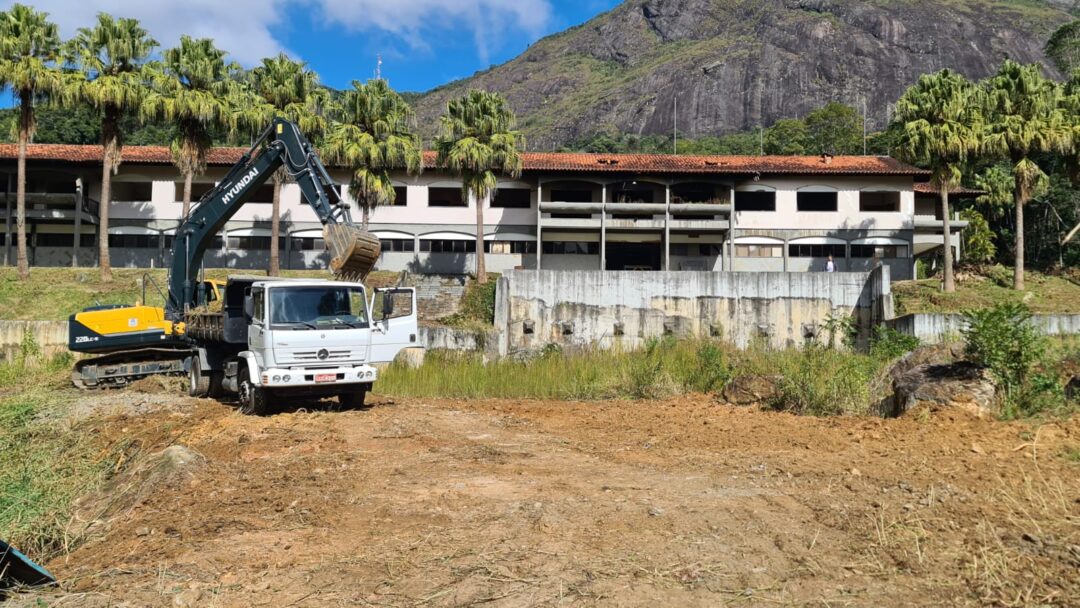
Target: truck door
{"points": [[395, 322]]}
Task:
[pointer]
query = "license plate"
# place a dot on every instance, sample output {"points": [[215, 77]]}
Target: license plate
{"points": [[325, 377]]}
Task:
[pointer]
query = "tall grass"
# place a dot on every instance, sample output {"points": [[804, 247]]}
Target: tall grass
{"points": [[44, 464], [816, 381]]}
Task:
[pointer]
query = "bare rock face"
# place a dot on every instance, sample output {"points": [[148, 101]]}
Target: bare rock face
{"points": [[737, 64], [750, 390], [962, 385]]}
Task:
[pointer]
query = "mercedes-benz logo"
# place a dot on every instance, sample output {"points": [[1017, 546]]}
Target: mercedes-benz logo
{"points": [[323, 353]]}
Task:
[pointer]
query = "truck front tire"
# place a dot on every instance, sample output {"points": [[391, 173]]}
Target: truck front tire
{"points": [[253, 398], [354, 399]]}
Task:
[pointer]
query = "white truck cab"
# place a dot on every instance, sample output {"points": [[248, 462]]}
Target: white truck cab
{"points": [[304, 338]]}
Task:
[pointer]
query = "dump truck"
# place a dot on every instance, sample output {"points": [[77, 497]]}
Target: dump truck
{"points": [[260, 338]]}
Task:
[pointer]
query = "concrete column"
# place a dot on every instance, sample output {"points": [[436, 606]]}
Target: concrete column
{"points": [[785, 255], [78, 222], [731, 234], [667, 226], [539, 223], [288, 247], [603, 227]]}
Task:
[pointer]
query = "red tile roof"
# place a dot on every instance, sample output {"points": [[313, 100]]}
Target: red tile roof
{"points": [[542, 161], [928, 188]]}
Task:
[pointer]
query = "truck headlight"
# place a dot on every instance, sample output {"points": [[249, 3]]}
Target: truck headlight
{"points": [[371, 374], [286, 377], [277, 379]]}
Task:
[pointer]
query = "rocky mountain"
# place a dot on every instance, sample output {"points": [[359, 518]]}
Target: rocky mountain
{"points": [[720, 66]]}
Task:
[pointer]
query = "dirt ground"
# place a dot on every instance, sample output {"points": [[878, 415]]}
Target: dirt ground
{"points": [[502, 503]]}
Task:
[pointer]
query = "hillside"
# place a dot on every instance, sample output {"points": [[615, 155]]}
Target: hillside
{"points": [[735, 64]]}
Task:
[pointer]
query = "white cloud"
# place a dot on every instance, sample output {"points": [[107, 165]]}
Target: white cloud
{"points": [[488, 22], [243, 27]]}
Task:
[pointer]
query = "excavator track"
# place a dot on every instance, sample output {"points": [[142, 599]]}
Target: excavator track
{"points": [[118, 369], [353, 252]]}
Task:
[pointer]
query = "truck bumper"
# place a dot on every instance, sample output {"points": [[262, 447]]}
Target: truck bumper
{"points": [[326, 377]]}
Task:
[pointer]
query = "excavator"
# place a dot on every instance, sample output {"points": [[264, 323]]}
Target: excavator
{"points": [[256, 336]]}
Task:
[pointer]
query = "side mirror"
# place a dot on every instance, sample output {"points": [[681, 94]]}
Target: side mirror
{"points": [[249, 307], [387, 306]]}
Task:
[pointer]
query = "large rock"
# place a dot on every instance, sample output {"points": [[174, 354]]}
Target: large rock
{"points": [[962, 385], [736, 65], [751, 390]]}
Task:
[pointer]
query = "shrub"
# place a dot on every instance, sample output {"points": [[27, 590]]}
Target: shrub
{"points": [[477, 305], [712, 369], [824, 382], [843, 327], [887, 343], [1003, 339]]}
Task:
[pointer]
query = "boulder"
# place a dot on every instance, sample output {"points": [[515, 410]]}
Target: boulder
{"points": [[929, 354], [1072, 389], [751, 390], [962, 385]]}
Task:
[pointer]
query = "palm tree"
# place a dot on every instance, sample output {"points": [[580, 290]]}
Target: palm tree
{"points": [[29, 48], [479, 139], [290, 90], [940, 130], [1025, 117], [111, 56], [373, 136], [191, 86]]}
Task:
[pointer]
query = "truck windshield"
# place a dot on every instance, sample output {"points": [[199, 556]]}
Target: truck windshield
{"points": [[317, 308]]}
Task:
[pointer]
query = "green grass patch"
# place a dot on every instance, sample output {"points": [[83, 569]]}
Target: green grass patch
{"points": [[44, 463], [1044, 293], [56, 293], [477, 309], [816, 381]]}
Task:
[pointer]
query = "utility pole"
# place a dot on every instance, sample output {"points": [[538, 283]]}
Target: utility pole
{"points": [[864, 126], [761, 140], [675, 136]]}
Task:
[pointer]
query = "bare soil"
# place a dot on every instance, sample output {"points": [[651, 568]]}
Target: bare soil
{"points": [[681, 502]]}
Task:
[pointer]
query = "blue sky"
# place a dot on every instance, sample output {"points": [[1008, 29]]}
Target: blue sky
{"points": [[423, 43]]}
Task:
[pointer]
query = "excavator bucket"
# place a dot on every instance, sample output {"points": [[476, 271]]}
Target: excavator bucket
{"points": [[353, 252]]}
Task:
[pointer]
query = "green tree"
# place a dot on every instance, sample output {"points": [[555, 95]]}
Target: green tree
{"points": [[373, 136], [834, 129], [29, 50], [788, 136], [191, 87], [478, 140], [978, 238], [110, 56], [1063, 48], [940, 131], [291, 90], [1025, 118]]}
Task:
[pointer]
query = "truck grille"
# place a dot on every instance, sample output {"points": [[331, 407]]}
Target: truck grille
{"points": [[313, 355]]}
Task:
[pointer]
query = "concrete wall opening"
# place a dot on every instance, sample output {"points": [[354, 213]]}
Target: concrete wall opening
{"points": [[622, 255]]}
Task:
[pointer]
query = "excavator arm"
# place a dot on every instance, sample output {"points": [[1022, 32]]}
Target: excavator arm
{"points": [[353, 252]]}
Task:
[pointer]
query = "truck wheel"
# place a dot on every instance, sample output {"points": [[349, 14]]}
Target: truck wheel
{"points": [[198, 382], [253, 398], [354, 399]]}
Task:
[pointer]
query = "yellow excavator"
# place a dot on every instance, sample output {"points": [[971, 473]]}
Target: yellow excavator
{"points": [[131, 342]]}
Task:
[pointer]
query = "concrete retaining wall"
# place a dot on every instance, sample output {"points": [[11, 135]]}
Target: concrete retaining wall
{"points": [[539, 307], [51, 337], [933, 328]]}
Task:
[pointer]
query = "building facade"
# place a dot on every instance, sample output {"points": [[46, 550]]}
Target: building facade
{"points": [[566, 211]]}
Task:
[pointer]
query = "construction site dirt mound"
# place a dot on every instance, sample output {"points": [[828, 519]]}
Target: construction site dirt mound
{"points": [[679, 502]]}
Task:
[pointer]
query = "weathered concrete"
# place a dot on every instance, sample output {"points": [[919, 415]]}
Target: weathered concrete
{"points": [[934, 328], [452, 338], [537, 308], [50, 338]]}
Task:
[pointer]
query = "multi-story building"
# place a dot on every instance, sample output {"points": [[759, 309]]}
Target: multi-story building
{"points": [[566, 211]]}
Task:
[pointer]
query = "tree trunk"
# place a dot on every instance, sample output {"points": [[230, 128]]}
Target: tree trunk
{"points": [[25, 119], [1019, 194], [188, 176], [103, 213], [950, 281], [275, 228], [481, 267], [365, 215]]}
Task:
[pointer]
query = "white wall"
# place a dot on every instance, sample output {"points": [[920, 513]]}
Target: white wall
{"points": [[847, 215]]}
